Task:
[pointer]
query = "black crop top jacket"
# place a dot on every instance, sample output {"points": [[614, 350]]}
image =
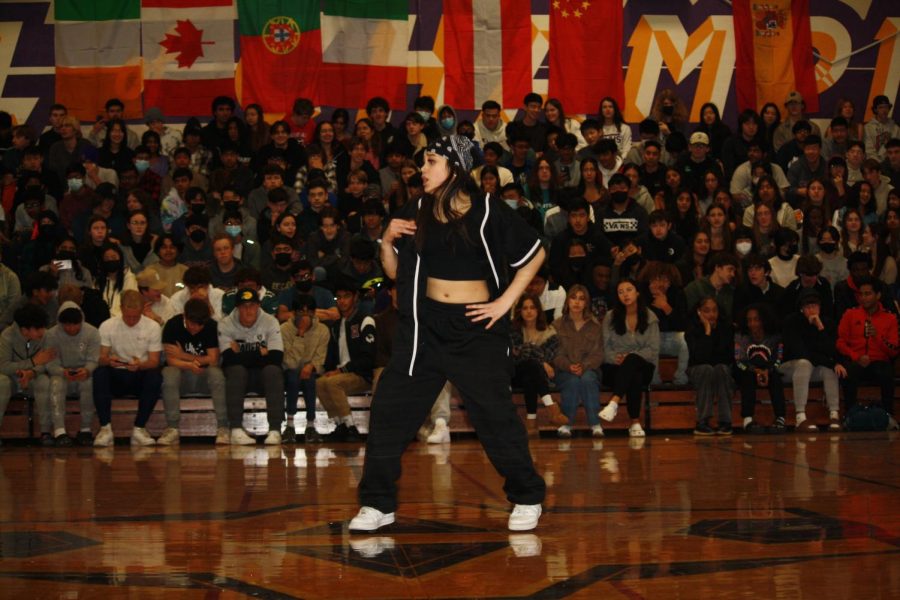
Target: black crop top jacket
{"points": [[509, 243]]}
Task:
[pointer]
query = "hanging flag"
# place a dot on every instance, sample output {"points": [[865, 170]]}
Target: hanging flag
{"points": [[487, 52], [774, 53], [98, 55], [586, 53], [364, 51], [281, 53], [188, 49]]}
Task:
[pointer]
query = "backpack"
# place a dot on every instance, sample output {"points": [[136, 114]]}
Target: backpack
{"points": [[866, 418]]}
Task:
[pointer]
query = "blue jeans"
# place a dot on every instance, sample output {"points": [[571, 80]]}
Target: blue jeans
{"points": [[575, 390], [671, 343], [292, 386]]}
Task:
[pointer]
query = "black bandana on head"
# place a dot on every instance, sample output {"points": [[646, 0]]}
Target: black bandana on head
{"points": [[457, 149]]}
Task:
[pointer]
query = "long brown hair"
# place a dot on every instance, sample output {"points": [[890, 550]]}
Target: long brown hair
{"points": [[518, 323]]}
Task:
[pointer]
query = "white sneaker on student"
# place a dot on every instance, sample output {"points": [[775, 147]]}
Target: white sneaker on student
{"points": [[239, 437], [636, 430], [169, 437], [370, 519], [609, 411], [440, 434], [140, 437], [273, 439], [105, 437], [597, 431], [223, 436], [524, 517]]}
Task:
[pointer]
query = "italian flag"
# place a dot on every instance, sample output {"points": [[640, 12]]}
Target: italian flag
{"points": [[188, 49], [98, 55], [364, 51], [281, 53]]}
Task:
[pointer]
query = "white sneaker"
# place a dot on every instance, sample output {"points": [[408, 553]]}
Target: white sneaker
{"points": [[636, 431], [239, 437], [440, 434], [609, 411], [105, 437], [524, 517], [223, 436], [273, 439], [140, 437], [370, 519], [597, 431], [892, 424], [169, 437], [564, 432], [371, 547]]}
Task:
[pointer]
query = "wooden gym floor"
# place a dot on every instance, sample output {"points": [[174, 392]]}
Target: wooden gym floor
{"points": [[743, 517]]}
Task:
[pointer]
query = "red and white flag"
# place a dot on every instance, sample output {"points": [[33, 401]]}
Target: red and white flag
{"points": [[487, 52], [188, 50]]}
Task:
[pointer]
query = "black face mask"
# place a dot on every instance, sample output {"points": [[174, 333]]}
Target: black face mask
{"points": [[283, 259], [576, 263], [198, 235], [65, 255], [111, 266], [198, 209], [47, 229], [828, 247], [668, 110], [303, 286], [619, 197], [231, 206]]}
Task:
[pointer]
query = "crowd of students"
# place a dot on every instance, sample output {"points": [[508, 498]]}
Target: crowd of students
{"points": [[241, 255]]}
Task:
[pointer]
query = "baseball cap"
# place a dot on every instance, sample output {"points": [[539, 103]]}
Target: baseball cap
{"points": [[698, 137], [794, 96], [153, 114], [150, 279], [246, 295]]}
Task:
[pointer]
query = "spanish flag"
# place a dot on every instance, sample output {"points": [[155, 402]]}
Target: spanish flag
{"points": [[774, 52]]}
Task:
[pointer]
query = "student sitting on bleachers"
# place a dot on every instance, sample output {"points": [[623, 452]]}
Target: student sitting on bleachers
{"points": [[23, 365], [76, 344]]}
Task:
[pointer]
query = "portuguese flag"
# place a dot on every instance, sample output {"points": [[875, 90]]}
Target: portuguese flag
{"points": [[281, 53]]}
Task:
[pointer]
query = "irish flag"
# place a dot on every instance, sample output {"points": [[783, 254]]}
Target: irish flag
{"points": [[487, 52], [774, 53], [281, 53], [188, 49], [364, 51], [98, 55]]}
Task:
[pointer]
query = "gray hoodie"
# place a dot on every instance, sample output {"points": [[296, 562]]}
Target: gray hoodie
{"points": [[16, 352], [73, 352]]}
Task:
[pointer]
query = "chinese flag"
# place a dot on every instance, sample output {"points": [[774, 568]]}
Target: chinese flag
{"points": [[774, 53], [586, 53]]}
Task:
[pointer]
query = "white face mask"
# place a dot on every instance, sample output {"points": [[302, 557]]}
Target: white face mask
{"points": [[743, 248]]}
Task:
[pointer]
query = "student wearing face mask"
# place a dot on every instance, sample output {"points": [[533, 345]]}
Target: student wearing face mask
{"points": [[197, 247], [784, 263], [278, 276], [834, 265], [115, 279], [245, 250], [39, 250], [78, 199], [446, 120], [305, 285]]}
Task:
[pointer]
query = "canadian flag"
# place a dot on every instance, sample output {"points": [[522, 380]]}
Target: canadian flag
{"points": [[188, 52]]}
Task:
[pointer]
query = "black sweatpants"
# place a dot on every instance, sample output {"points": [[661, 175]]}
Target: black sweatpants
{"points": [[879, 372], [747, 384], [473, 359], [532, 377], [629, 380]]}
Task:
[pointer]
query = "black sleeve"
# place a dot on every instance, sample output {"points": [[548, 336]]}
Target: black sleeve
{"points": [[362, 359], [520, 241], [169, 335]]}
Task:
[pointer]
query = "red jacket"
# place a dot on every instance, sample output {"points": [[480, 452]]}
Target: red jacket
{"points": [[852, 342]]}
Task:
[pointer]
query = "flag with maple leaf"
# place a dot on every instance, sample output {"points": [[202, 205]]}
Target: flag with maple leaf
{"points": [[188, 50], [586, 53]]}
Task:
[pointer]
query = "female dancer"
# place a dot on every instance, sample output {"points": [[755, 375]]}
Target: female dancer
{"points": [[452, 253]]}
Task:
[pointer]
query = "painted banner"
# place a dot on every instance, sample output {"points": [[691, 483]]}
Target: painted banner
{"points": [[498, 49]]}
